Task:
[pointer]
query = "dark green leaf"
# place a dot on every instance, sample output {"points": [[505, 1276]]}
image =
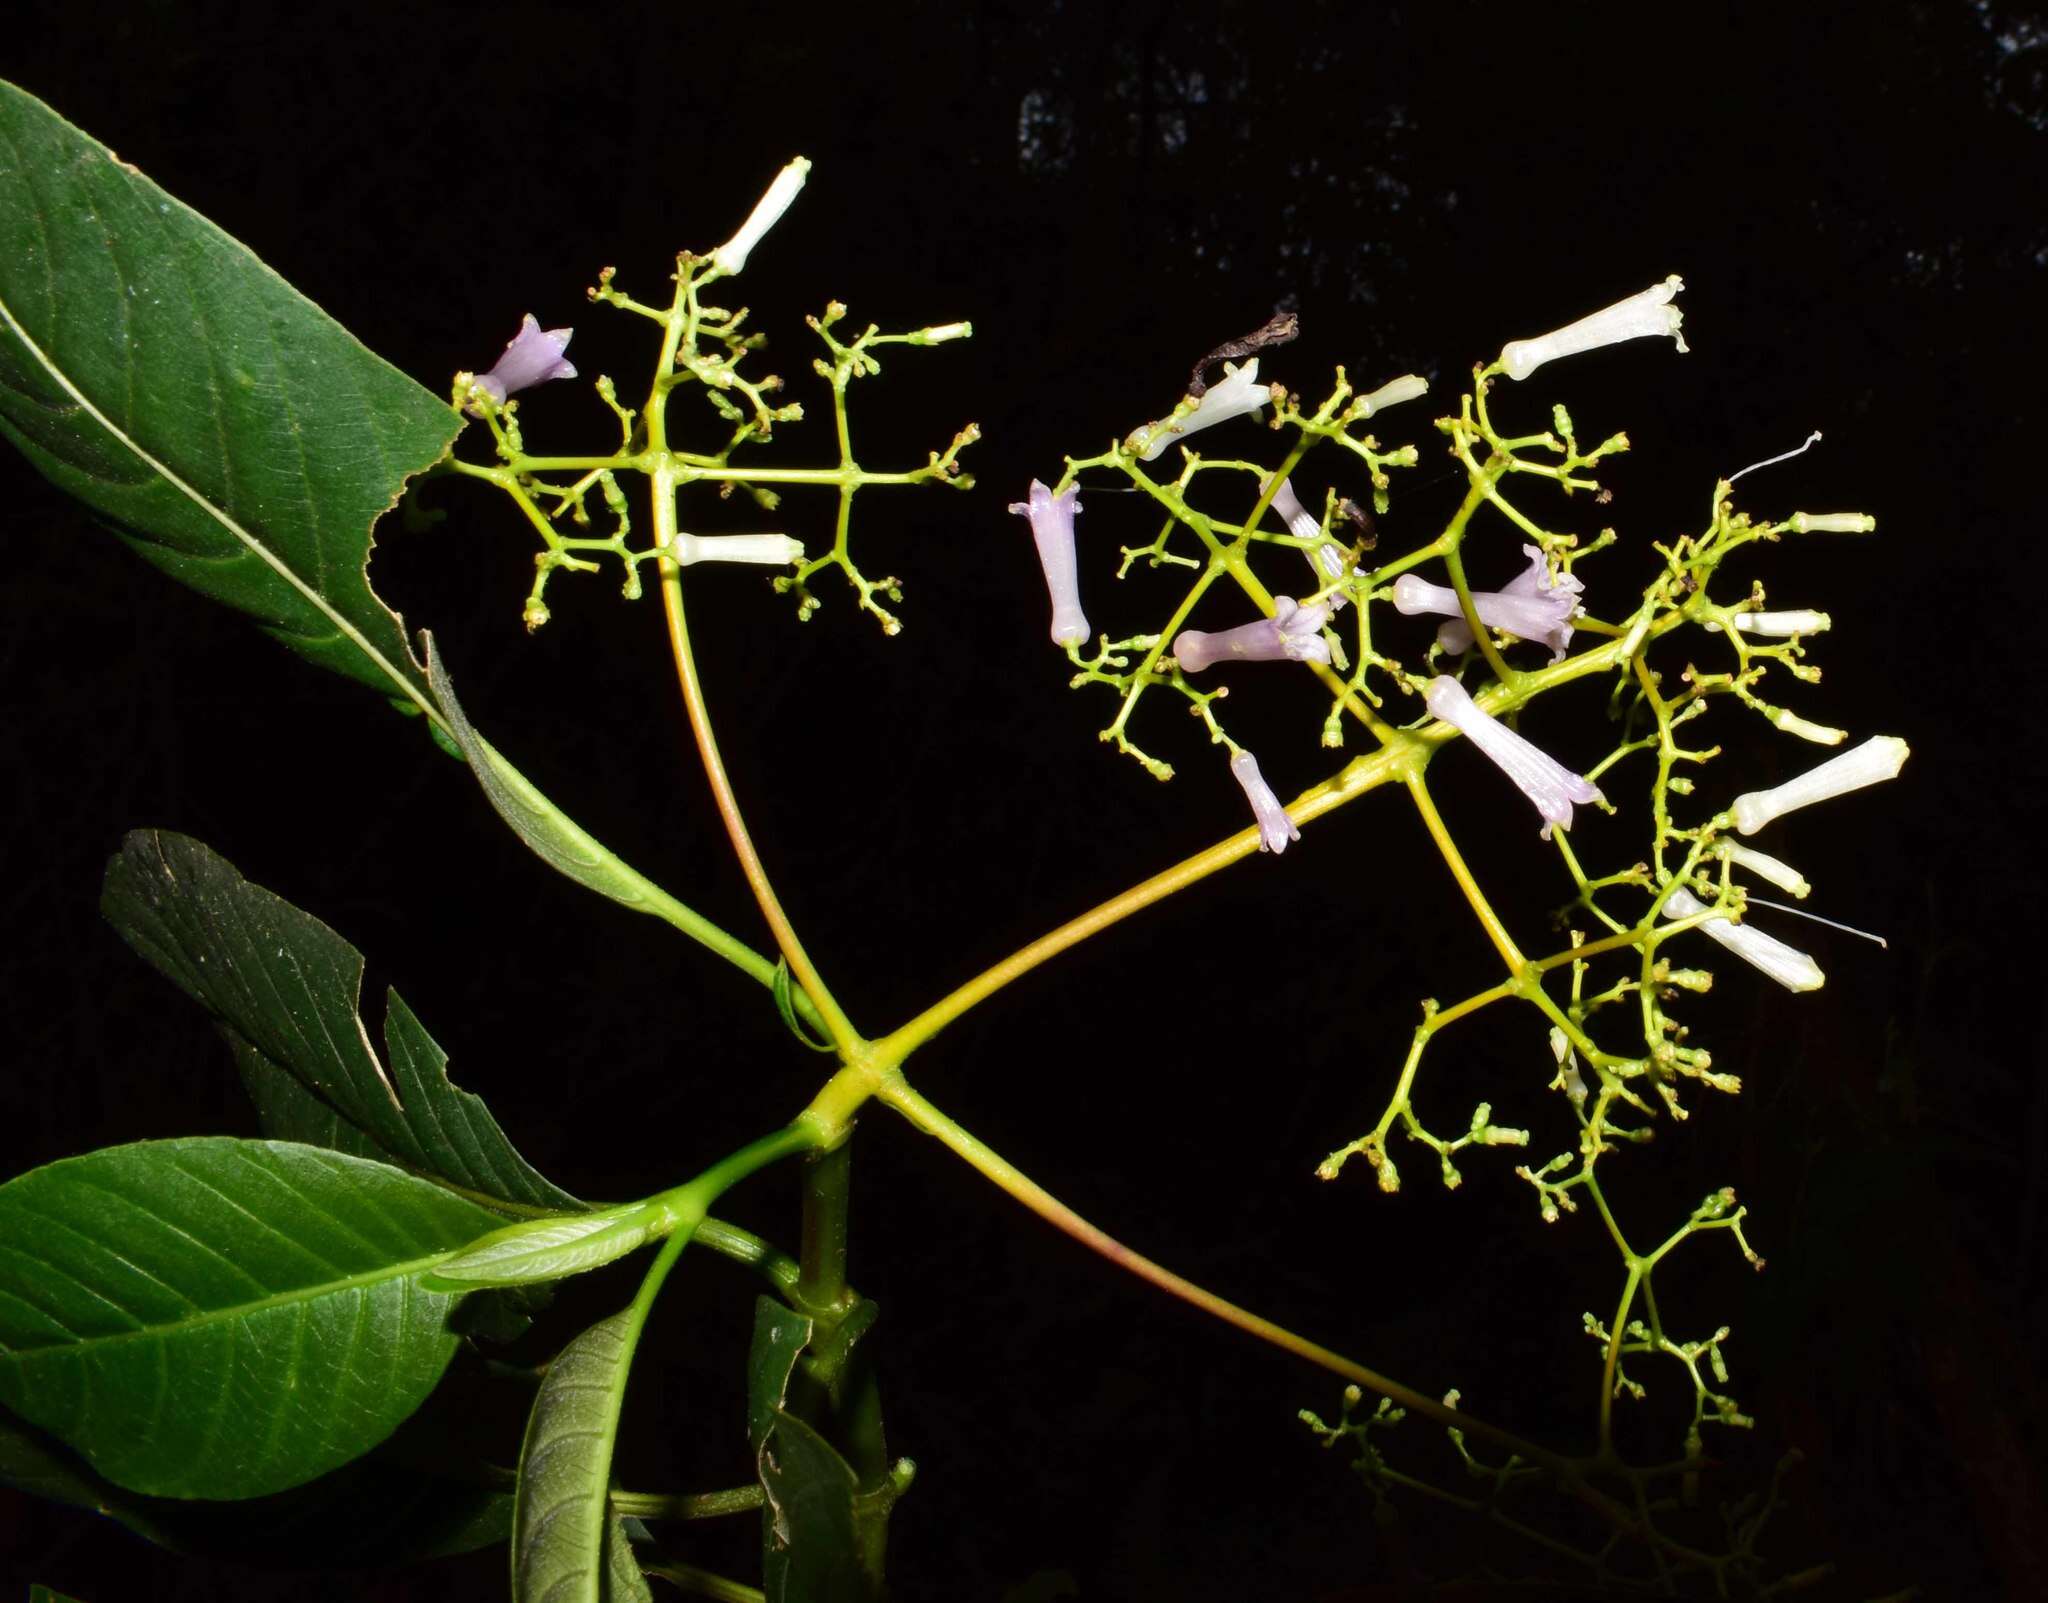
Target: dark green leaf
{"points": [[43, 1594], [381, 1509], [234, 434], [287, 988], [209, 1317], [780, 1336], [563, 1550], [549, 1249], [809, 1549]]}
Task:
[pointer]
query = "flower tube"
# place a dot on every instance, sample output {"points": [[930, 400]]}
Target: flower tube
{"points": [[533, 357], [1781, 625], [1326, 558], [1877, 759], [1408, 387], [1276, 829], [1293, 634], [1547, 783], [770, 550], [1239, 393], [1531, 606], [731, 257], [1764, 866], [1052, 529], [1648, 313], [1789, 966]]}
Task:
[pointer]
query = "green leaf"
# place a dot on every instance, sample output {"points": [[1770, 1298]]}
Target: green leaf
{"points": [[209, 1317], [780, 1336], [567, 1545], [231, 431], [287, 989], [550, 1249], [810, 1552], [43, 1594], [381, 1509]]}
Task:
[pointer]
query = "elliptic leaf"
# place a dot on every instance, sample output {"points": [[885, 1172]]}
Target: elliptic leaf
{"points": [[287, 989], [226, 427], [209, 1317], [567, 1546], [548, 1249]]}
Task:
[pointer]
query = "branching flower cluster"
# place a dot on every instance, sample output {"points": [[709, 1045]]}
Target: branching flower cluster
{"points": [[1295, 592], [703, 346]]}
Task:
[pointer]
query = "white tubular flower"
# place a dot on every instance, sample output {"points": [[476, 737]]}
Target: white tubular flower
{"points": [[1878, 758], [1780, 625], [1789, 966], [533, 357], [1569, 1080], [769, 550], [1408, 387], [731, 257], [1239, 393], [1052, 529], [1276, 829], [1649, 313], [1833, 523], [1764, 866], [1531, 606], [1546, 782], [1293, 634], [1327, 559]]}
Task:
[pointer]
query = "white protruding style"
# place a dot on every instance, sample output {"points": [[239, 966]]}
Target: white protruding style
{"points": [[1239, 393], [768, 550], [1876, 760], [1551, 786], [1052, 530], [1642, 315], [731, 257], [1276, 829], [1789, 966]]}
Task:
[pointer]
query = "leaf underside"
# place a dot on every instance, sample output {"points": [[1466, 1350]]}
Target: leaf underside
{"points": [[232, 432], [208, 1317], [287, 990], [567, 1546]]}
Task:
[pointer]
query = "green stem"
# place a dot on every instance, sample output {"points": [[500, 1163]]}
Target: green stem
{"points": [[821, 1284]]}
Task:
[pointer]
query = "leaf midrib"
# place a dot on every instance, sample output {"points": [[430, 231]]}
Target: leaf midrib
{"points": [[213, 1316]]}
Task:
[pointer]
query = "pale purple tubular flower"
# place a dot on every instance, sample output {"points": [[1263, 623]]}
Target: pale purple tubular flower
{"points": [[1293, 634], [1239, 393], [1533, 605], [533, 357], [1642, 315], [1052, 529], [1276, 829], [1789, 966], [1326, 558], [1546, 782]]}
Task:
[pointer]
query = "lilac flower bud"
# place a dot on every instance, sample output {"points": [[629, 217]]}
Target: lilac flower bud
{"points": [[1293, 634], [1650, 312], [1551, 786], [1239, 393], [1878, 758], [1052, 528], [731, 257], [1531, 606], [533, 357], [1276, 829], [1789, 966]]}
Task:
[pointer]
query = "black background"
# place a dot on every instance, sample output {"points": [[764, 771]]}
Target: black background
{"points": [[1853, 195]]}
